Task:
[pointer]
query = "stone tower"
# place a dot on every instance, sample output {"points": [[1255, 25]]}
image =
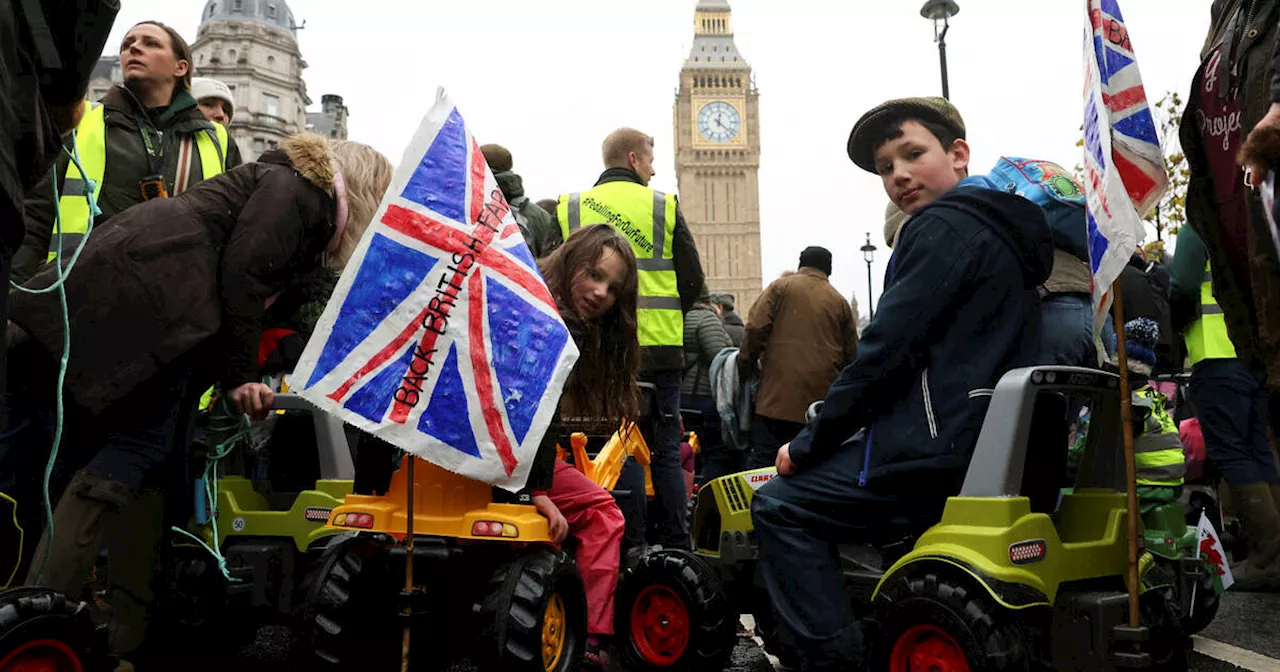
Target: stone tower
{"points": [[717, 131], [252, 46], [331, 120]]}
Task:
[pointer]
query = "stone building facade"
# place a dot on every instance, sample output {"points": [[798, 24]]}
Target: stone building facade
{"points": [[252, 47]]}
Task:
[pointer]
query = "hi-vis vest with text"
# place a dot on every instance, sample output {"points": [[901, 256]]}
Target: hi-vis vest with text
{"points": [[1158, 450], [91, 143], [647, 218], [1207, 337]]}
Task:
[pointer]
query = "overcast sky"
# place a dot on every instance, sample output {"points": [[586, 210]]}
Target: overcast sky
{"points": [[549, 79]]}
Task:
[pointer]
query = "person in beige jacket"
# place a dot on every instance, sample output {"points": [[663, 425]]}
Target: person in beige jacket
{"points": [[801, 333]]}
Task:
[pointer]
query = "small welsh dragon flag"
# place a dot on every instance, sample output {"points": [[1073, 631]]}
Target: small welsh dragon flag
{"points": [[1215, 559]]}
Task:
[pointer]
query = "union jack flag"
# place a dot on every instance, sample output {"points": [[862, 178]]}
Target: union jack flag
{"points": [[1123, 163], [441, 336]]}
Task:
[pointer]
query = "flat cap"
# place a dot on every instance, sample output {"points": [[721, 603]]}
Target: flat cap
{"points": [[933, 110]]}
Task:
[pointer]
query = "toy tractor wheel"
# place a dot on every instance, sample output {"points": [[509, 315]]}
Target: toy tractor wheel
{"points": [[673, 614], [193, 601], [348, 616], [1168, 642], [536, 613], [1206, 601], [42, 630], [1204, 608], [934, 623]]}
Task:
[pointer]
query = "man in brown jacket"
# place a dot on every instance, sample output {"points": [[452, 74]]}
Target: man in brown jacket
{"points": [[803, 333]]}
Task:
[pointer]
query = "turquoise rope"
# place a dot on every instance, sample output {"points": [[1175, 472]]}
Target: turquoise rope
{"points": [[63, 273], [220, 451]]}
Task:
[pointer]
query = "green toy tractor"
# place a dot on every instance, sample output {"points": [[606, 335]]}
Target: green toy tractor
{"points": [[1013, 575], [272, 505]]}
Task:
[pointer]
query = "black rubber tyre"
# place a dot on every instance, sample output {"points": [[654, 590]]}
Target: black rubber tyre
{"points": [[672, 614], [347, 619], [1206, 604], [40, 622], [1205, 608], [1168, 642], [534, 618], [193, 604], [930, 610]]}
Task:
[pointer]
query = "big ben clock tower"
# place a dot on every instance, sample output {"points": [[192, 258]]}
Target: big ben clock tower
{"points": [[717, 132]]}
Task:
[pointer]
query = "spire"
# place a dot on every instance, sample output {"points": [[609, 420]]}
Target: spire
{"points": [[713, 45]]}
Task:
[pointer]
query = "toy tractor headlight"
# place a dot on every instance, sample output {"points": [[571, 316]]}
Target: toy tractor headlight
{"points": [[1027, 552]]}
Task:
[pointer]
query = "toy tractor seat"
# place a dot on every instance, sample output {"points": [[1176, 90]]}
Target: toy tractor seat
{"points": [[305, 446], [1046, 465]]}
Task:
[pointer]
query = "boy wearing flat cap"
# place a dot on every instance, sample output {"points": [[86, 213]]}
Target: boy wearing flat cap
{"points": [[960, 308]]}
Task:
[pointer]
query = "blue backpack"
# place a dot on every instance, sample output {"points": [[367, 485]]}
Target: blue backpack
{"points": [[1054, 189]]}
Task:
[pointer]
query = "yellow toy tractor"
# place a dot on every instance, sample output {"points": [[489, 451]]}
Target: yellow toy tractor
{"points": [[481, 564]]}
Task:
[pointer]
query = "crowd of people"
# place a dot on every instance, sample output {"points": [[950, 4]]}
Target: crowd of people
{"points": [[175, 257]]}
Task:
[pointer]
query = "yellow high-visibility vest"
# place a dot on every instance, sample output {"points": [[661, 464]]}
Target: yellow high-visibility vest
{"points": [[91, 144], [647, 218], [1207, 337], [1158, 452]]}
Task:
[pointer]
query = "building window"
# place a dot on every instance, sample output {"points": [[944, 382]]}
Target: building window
{"points": [[270, 105], [237, 5], [259, 145], [201, 59], [213, 7], [98, 94], [272, 144], [271, 61], [231, 55], [271, 11]]}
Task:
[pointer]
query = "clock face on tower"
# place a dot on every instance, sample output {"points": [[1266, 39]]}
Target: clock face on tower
{"points": [[719, 121]]}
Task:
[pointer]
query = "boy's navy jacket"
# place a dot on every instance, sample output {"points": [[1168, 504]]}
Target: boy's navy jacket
{"points": [[960, 308]]}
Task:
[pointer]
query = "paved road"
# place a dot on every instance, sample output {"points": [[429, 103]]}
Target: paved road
{"points": [[1244, 637]]}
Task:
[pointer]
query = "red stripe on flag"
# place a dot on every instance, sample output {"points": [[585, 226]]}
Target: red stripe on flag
{"points": [[477, 181], [483, 374], [450, 239], [1137, 182], [1095, 18], [1125, 99], [379, 359]]}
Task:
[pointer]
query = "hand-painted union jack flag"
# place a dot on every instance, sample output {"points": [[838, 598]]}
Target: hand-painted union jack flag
{"points": [[1123, 163], [441, 336]]}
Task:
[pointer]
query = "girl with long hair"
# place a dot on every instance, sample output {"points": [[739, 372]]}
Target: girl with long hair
{"points": [[594, 280]]}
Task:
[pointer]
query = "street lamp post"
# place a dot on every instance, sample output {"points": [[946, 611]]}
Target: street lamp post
{"points": [[940, 11], [869, 253]]}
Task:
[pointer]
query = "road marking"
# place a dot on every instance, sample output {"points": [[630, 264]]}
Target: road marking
{"points": [[749, 622], [1234, 655], [1249, 660]]}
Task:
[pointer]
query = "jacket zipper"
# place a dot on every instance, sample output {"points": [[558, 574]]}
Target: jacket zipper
{"points": [[928, 404], [866, 456]]}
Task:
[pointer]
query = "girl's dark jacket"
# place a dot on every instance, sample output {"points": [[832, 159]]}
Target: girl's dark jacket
{"points": [[186, 281]]}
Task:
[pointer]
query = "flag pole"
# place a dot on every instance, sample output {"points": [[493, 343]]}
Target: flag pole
{"points": [[408, 568], [1130, 465]]}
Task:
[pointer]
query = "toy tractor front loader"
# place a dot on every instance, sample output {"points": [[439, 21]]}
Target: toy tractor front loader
{"points": [[482, 563]]}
